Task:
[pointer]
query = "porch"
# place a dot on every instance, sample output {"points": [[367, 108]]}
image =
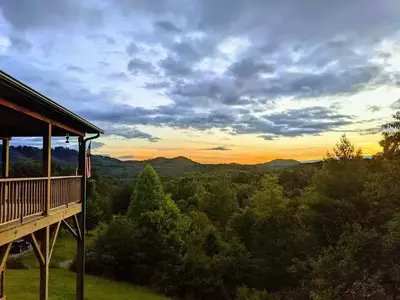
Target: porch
{"points": [[35, 208]]}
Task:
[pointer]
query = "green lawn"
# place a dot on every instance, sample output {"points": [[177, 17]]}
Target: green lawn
{"points": [[64, 249], [24, 284]]}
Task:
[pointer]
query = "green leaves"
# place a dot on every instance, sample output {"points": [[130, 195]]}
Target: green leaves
{"points": [[148, 194]]}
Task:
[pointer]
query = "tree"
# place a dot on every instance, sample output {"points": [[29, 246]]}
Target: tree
{"points": [[148, 194], [220, 202], [344, 150], [391, 138], [96, 211]]}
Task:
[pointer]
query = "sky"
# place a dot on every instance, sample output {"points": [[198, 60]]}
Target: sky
{"points": [[216, 81]]}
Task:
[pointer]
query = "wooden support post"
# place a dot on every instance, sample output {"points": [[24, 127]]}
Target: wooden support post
{"points": [[5, 158], [44, 237], [47, 166], [5, 250], [2, 284], [80, 266]]}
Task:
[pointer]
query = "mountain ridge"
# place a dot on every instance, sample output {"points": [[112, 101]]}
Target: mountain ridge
{"points": [[110, 166]]}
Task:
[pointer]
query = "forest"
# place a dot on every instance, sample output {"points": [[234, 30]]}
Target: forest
{"points": [[327, 230]]}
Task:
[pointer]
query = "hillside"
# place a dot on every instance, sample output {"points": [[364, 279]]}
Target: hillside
{"points": [[116, 168], [62, 286]]}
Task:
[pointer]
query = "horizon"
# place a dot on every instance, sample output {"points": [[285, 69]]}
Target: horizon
{"points": [[259, 81]]}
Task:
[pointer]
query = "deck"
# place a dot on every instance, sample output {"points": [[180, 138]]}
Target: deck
{"points": [[23, 203]]}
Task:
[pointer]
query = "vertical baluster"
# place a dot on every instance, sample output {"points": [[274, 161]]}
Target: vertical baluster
{"points": [[8, 192], [13, 198], [22, 203], [2, 203]]}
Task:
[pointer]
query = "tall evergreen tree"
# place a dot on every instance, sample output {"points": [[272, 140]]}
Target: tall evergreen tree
{"points": [[148, 194]]}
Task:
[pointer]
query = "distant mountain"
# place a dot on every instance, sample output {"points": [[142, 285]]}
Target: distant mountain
{"points": [[113, 167]]}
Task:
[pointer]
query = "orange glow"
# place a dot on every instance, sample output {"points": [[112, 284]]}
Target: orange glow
{"points": [[242, 157]]}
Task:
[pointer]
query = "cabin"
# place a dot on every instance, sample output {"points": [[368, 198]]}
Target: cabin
{"points": [[35, 208]]}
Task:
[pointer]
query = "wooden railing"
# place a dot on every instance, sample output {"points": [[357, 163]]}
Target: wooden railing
{"points": [[25, 197], [65, 190]]}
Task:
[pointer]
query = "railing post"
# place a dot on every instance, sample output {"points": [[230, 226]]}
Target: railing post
{"points": [[47, 166], [5, 172], [5, 158], [80, 266]]}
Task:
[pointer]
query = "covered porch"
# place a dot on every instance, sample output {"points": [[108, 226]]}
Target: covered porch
{"points": [[34, 208]]}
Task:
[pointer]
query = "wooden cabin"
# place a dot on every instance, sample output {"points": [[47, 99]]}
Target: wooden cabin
{"points": [[36, 208]]}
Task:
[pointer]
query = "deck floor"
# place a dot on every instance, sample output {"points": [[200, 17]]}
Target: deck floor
{"points": [[19, 228]]}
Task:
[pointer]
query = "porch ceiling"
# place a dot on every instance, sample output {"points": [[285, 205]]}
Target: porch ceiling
{"points": [[14, 124]]}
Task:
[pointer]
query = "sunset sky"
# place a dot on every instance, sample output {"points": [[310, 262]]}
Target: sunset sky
{"points": [[212, 80]]}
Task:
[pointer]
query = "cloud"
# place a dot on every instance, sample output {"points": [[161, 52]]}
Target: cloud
{"points": [[20, 44], [96, 145], [247, 68], [75, 69], [129, 132], [219, 148], [374, 108], [395, 105], [57, 14], [167, 26], [136, 66], [132, 49], [126, 157]]}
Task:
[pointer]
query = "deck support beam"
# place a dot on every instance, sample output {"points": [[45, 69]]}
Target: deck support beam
{"points": [[43, 242], [4, 251], [44, 237], [81, 225]]}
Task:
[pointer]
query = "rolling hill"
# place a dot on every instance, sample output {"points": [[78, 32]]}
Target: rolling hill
{"points": [[109, 166]]}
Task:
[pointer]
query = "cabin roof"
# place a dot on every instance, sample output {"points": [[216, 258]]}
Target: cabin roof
{"points": [[22, 95]]}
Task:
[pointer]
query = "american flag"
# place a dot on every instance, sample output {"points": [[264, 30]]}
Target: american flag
{"points": [[88, 161]]}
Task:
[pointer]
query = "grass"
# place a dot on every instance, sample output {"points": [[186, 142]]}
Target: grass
{"points": [[64, 249], [24, 284]]}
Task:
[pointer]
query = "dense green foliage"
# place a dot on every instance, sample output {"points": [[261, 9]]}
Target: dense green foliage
{"points": [[328, 230]]}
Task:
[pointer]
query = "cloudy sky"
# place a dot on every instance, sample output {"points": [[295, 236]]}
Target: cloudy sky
{"points": [[214, 80]]}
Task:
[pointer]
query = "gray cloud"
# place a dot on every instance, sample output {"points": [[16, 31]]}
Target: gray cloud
{"points": [[374, 108], [363, 131], [97, 145], [75, 69], [58, 13], [247, 68], [290, 123], [395, 105], [20, 44], [132, 48], [167, 26], [136, 66], [129, 132], [219, 148], [174, 67]]}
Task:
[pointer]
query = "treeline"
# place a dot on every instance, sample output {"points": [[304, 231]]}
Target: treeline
{"points": [[329, 230]]}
